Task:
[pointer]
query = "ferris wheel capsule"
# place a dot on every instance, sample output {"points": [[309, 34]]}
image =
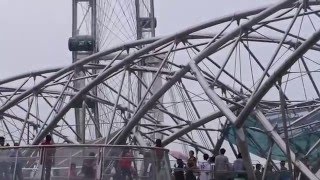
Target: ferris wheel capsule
{"points": [[81, 43]]}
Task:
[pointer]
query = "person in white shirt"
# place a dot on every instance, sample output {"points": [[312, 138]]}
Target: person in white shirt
{"points": [[204, 168], [238, 164], [221, 166], [221, 161], [238, 167], [211, 161]]}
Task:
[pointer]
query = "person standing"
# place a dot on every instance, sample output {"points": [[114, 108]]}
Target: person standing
{"points": [[192, 159], [211, 161], [4, 168], [125, 164], [159, 152], [205, 168], [179, 170], [221, 165], [283, 166], [258, 172], [284, 174], [47, 156], [89, 167], [72, 172], [191, 166], [238, 167]]}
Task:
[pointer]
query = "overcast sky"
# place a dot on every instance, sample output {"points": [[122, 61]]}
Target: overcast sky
{"points": [[34, 33]]}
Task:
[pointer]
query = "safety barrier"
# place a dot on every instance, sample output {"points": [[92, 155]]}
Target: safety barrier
{"points": [[75, 162]]}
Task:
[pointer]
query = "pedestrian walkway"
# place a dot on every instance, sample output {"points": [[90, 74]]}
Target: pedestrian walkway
{"points": [[77, 162]]}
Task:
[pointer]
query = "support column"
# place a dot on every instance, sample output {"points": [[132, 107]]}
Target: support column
{"points": [[285, 128], [82, 123], [146, 24], [80, 111], [95, 109], [219, 143], [241, 137], [264, 175]]}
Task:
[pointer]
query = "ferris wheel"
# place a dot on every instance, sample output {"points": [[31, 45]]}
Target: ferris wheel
{"points": [[250, 78]]}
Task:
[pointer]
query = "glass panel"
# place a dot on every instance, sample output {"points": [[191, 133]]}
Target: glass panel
{"points": [[84, 162]]}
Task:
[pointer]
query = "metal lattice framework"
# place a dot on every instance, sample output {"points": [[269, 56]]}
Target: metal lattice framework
{"points": [[259, 64]]}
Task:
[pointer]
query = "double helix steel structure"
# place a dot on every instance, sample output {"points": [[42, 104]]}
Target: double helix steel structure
{"points": [[250, 78]]}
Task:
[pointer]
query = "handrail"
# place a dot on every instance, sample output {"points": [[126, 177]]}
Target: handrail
{"points": [[81, 145]]}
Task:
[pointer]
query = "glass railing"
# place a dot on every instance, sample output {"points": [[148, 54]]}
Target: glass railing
{"points": [[210, 174], [229, 174], [88, 162]]}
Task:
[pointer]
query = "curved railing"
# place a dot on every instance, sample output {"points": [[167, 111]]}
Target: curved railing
{"points": [[84, 162]]}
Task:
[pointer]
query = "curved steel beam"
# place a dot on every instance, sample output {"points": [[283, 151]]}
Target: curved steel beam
{"points": [[250, 37], [72, 67], [240, 15], [282, 145], [195, 124], [29, 74], [241, 137], [255, 99], [125, 61], [208, 51]]}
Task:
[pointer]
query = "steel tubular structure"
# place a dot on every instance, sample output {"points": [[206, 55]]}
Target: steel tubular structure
{"points": [[220, 79]]}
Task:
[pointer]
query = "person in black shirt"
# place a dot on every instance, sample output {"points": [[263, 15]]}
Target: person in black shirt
{"points": [[179, 170]]}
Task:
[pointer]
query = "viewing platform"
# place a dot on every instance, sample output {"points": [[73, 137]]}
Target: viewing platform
{"points": [[92, 162]]}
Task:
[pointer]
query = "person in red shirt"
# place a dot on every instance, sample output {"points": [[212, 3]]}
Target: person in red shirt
{"points": [[125, 164], [72, 171], [47, 156]]}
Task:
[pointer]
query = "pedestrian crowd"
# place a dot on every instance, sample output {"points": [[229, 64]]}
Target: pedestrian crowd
{"points": [[219, 168]]}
